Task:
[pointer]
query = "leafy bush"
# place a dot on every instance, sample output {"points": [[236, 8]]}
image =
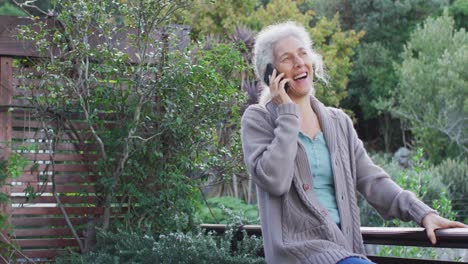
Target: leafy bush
{"points": [[454, 174], [177, 247], [155, 113], [10, 169], [222, 209], [431, 94], [7, 9]]}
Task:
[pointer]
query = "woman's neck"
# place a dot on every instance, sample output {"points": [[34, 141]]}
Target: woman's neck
{"points": [[305, 107], [309, 123]]}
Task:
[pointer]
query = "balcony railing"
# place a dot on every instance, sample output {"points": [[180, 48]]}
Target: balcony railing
{"points": [[396, 236]]}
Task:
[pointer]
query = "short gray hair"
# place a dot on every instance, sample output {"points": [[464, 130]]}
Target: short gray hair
{"points": [[269, 36]]}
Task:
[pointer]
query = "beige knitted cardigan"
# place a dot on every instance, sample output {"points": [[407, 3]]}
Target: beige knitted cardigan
{"points": [[295, 227]]}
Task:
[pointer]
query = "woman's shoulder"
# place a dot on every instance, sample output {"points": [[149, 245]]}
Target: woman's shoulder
{"points": [[255, 111], [338, 113], [330, 111], [256, 115], [343, 119]]}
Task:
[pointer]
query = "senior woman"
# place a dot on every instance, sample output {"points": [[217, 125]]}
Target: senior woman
{"points": [[308, 162]]}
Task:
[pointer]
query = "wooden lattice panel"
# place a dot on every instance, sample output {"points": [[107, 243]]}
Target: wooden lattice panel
{"points": [[61, 160]]}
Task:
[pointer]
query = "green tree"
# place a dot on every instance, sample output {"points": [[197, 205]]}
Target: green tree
{"points": [[387, 24], [373, 73], [154, 112], [208, 17], [8, 9], [432, 92], [24, 8], [459, 11]]}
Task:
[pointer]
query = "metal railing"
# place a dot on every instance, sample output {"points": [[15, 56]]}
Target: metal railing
{"points": [[447, 238]]}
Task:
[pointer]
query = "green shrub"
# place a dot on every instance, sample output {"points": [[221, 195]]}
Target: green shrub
{"points": [[222, 209], [454, 174], [156, 113], [435, 107], [7, 9], [176, 247]]}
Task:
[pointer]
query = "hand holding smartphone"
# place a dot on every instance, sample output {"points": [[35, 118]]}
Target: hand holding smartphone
{"points": [[269, 71]]}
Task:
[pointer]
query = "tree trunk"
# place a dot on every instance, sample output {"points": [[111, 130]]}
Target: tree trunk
{"points": [[234, 183]]}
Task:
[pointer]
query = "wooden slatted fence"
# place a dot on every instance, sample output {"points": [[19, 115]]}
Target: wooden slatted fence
{"points": [[65, 169], [61, 159]]}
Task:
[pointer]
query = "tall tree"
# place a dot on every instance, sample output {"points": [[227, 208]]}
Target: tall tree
{"points": [[459, 11], [432, 93], [387, 24]]}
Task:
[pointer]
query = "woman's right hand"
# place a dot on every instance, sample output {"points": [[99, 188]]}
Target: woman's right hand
{"points": [[277, 91]]}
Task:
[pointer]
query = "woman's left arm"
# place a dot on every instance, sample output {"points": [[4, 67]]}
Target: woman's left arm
{"points": [[389, 199], [382, 193]]}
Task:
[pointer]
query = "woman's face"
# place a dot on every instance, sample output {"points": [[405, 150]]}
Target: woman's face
{"points": [[293, 59]]}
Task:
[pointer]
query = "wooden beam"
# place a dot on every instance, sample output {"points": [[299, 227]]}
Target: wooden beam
{"points": [[45, 253], [42, 221], [404, 236], [46, 242], [6, 96], [393, 260], [9, 44], [44, 232], [55, 211], [66, 200], [90, 188]]}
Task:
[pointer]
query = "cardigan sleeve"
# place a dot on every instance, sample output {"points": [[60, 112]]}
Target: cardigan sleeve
{"points": [[382, 193], [270, 147]]}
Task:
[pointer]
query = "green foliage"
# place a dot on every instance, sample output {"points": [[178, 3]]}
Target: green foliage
{"points": [[391, 22], [222, 209], [387, 25], [155, 113], [10, 169], [374, 69], [196, 246], [433, 71], [215, 17], [459, 10], [454, 174], [408, 252], [337, 48], [7, 9], [37, 8], [387, 22], [263, 15]]}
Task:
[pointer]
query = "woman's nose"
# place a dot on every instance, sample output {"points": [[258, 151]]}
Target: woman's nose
{"points": [[298, 61]]}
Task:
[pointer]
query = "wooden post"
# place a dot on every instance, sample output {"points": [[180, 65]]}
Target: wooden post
{"points": [[6, 98]]}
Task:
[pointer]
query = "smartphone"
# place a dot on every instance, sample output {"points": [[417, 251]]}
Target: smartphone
{"points": [[269, 71]]}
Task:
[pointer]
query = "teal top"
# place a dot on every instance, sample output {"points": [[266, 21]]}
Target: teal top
{"points": [[320, 166]]}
